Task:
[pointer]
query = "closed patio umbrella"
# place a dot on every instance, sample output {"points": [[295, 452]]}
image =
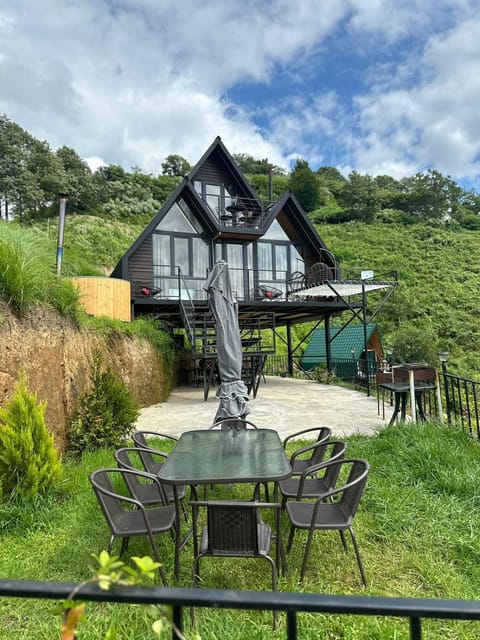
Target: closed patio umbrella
{"points": [[232, 392]]}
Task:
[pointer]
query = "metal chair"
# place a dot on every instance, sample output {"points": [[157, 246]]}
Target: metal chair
{"points": [[309, 484], [141, 440], [235, 530], [127, 516], [318, 273], [296, 282], [233, 424], [299, 463], [147, 493], [337, 514]]}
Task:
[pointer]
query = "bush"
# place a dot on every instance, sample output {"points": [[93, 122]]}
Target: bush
{"points": [[104, 416], [29, 463], [321, 374]]}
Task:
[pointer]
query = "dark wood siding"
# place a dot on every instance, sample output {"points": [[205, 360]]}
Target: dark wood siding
{"points": [[140, 264]]}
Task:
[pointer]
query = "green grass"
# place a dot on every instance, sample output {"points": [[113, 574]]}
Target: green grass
{"points": [[417, 528]]}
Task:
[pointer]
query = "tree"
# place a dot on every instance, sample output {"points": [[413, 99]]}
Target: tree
{"points": [[430, 196], [175, 165], [360, 198], [305, 185], [253, 166], [79, 183]]}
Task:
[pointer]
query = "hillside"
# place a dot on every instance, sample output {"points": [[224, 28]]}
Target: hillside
{"points": [[437, 301]]}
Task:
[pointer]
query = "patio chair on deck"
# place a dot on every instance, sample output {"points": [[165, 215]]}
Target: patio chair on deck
{"points": [[297, 460], [309, 484], [337, 514], [127, 516]]}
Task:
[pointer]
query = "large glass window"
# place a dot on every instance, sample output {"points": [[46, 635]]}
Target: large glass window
{"points": [[180, 253]]}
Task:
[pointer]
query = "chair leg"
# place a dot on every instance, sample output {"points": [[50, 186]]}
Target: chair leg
{"points": [[290, 538], [359, 559], [161, 570], [306, 554], [342, 538], [110, 544], [125, 542], [274, 588]]}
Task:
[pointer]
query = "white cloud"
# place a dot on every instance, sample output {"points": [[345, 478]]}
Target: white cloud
{"points": [[433, 123], [131, 81]]}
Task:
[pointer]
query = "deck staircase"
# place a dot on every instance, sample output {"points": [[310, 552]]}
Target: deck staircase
{"points": [[200, 329]]}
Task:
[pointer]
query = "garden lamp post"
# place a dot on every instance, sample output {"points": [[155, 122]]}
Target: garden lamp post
{"points": [[443, 357], [390, 358]]}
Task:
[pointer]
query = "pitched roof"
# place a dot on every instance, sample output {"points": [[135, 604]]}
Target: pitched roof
{"points": [[342, 343]]}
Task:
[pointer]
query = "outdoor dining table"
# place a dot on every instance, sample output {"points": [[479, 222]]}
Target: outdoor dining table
{"points": [[410, 385], [217, 456]]}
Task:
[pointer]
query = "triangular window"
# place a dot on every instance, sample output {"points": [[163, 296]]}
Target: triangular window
{"points": [[275, 232], [179, 218]]}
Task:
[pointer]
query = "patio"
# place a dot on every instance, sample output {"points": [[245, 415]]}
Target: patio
{"points": [[284, 404]]}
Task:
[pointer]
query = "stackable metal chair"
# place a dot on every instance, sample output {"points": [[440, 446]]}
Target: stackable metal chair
{"points": [[147, 493], [312, 483], [236, 530], [233, 423], [299, 460], [337, 514], [142, 440], [127, 516]]}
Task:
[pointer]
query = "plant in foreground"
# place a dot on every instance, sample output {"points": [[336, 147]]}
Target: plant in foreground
{"points": [[29, 462], [112, 572]]}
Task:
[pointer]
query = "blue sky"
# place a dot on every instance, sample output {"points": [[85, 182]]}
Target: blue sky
{"points": [[377, 86]]}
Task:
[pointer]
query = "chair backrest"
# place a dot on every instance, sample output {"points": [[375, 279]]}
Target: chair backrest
{"points": [[427, 375], [352, 490], [383, 376], [318, 273], [318, 451], [112, 493], [399, 375], [295, 282], [233, 526], [335, 449], [146, 451], [131, 458], [233, 424]]}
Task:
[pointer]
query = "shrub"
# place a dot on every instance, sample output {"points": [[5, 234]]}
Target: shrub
{"points": [[105, 415], [321, 374], [29, 463]]}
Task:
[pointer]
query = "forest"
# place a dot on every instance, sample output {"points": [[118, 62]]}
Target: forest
{"points": [[425, 226]]}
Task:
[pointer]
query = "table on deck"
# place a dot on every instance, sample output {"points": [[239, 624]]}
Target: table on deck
{"points": [[226, 456]]}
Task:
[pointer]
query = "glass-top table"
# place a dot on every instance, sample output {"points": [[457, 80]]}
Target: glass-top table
{"points": [[216, 456]]}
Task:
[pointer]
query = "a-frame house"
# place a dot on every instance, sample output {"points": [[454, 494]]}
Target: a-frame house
{"points": [[272, 249]]}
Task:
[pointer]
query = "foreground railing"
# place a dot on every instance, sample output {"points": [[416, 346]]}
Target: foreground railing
{"points": [[412, 609]]}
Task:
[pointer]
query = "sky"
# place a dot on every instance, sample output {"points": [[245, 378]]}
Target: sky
{"points": [[376, 86]]}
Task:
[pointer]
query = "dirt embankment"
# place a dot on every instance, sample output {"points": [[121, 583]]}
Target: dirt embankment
{"points": [[56, 356]]}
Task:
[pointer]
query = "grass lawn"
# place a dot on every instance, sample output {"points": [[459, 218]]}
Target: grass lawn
{"points": [[417, 528]]}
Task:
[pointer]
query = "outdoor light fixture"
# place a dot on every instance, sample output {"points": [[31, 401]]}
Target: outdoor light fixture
{"points": [[443, 357]]}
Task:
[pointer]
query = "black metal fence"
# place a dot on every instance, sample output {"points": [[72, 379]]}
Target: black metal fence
{"points": [[347, 369], [462, 402], [412, 610]]}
